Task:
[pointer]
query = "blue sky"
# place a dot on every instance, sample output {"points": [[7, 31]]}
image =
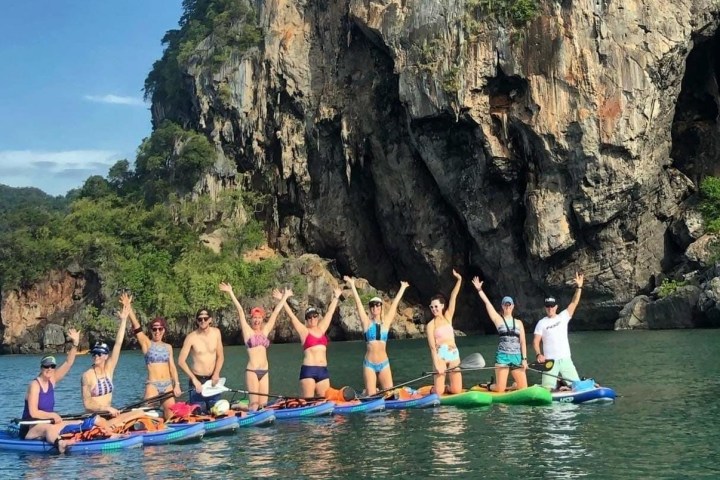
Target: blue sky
{"points": [[71, 86]]}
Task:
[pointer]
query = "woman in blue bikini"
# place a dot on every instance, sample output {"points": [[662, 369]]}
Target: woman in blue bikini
{"points": [[376, 365], [159, 359], [441, 340], [256, 334]]}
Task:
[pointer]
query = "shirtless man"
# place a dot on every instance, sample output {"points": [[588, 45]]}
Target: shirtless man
{"points": [[205, 346]]}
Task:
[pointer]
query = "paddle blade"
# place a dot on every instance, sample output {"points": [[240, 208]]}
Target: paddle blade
{"points": [[208, 389], [545, 366], [474, 360]]}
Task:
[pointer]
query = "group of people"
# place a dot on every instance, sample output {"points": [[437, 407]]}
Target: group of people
{"points": [[203, 346]]}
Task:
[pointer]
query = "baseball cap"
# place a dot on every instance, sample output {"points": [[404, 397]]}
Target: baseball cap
{"points": [[100, 348], [507, 300], [47, 361], [257, 312], [377, 300], [550, 302]]}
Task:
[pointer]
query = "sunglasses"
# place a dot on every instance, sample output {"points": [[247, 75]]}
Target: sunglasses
{"points": [[97, 354], [158, 329], [375, 305], [314, 315], [51, 366], [507, 305], [203, 319]]}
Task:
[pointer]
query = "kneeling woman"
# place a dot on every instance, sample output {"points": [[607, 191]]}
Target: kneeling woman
{"points": [[512, 350], [441, 339], [376, 365], [314, 375], [40, 399], [96, 382], [159, 359]]}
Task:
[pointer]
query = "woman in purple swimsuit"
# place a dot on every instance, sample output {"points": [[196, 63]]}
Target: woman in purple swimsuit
{"points": [[314, 375], [159, 359], [256, 334], [40, 399]]}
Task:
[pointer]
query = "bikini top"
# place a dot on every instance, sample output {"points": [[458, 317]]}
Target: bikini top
{"points": [[157, 353], [313, 341], [444, 334], [103, 386], [258, 340], [376, 333]]}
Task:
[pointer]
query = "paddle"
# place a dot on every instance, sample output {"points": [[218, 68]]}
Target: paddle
{"points": [[209, 390], [82, 416], [473, 361]]}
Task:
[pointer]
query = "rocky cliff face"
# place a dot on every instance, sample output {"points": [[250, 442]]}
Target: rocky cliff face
{"points": [[405, 138], [32, 319]]}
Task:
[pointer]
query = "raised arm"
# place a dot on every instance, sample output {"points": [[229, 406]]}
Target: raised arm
{"points": [[244, 326], [140, 334], [579, 280], [299, 327], [492, 313], [325, 323], [364, 319], [281, 297], [450, 312], [63, 369], [115, 354], [388, 319]]}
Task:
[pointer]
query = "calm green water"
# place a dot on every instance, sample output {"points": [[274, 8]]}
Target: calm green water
{"points": [[665, 425]]}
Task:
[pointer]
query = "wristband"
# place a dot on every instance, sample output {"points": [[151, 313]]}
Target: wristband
{"points": [[137, 330], [75, 345], [524, 358], [578, 288], [537, 355]]}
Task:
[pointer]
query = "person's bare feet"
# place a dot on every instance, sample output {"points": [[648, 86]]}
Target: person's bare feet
{"points": [[63, 444]]}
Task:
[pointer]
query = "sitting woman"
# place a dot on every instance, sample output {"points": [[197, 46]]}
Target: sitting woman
{"points": [[255, 333], [96, 382], [314, 374], [376, 365], [512, 350], [40, 399], [441, 340], [162, 372]]}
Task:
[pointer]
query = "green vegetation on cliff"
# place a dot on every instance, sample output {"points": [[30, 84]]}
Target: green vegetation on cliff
{"points": [[136, 232], [710, 203], [228, 25]]}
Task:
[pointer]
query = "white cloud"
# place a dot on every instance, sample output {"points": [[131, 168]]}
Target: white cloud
{"points": [[54, 172], [116, 100]]}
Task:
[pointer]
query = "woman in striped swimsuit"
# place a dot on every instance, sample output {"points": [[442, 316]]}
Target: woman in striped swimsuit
{"points": [[96, 383], [256, 334], [159, 359], [512, 349]]}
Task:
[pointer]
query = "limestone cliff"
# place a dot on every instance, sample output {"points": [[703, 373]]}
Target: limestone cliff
{"points": [[406, 137]]}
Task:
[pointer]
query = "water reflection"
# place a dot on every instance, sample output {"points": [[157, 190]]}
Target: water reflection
{"points": [[449, 442], [559, 441]]}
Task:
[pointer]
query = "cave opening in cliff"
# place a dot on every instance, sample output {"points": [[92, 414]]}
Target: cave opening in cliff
{"points": [[696, 125]]}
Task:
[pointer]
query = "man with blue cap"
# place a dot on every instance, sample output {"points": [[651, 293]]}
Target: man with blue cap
{"points": [[552, 332]]}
